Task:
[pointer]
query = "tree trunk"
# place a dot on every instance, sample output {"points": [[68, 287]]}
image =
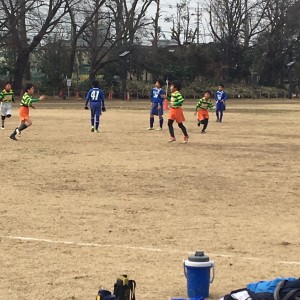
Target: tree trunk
{"points": [[72, 58], [20, 68]]}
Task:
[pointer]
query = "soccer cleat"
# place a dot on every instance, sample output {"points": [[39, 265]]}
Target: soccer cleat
{"points": [[198, 123], [150, 128], [185, 139], [203, 131], [92, 129], [172, 139], [97, 131], [18, 132], [158, 129], [13, 137], [217, 120], [2, 127]]}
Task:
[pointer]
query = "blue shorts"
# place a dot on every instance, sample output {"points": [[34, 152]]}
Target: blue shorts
{"points": [[96, 109], [220, 106], [155, 111]]}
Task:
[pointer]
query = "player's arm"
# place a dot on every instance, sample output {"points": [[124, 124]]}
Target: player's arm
{"points": [[87, 99], [198, 105], [32, 100], [162, 97], [103, 102]]}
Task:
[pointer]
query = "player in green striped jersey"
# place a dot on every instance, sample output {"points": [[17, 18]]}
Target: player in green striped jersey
{"points": [[6, 98]]}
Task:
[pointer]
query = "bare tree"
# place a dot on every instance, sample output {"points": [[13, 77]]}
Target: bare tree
{"points": [[28, 22], [82, 15], [112, 30], [234, 23], [280, 41], [128, 18], [181, 30]]}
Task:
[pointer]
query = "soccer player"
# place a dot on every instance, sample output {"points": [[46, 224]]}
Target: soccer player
{"points": [[204, 104], [220, 98], [176, 112], [6, 98], [157, 97], [26, 102], [96, 98]]}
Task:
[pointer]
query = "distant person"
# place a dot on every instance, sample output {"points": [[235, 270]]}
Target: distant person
{"points": [[176, 112], [96, 98], [204, 104], [6, 98], [157, 98], [220, 98], [26, 102]]}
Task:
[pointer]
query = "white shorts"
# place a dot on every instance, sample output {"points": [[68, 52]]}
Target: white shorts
{"points": [[6, 108]]}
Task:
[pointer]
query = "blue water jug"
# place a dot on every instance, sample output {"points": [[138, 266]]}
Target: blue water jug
{"points": [[197, 269]]}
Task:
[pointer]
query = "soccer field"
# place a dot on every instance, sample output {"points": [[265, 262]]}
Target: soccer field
{"points": [[79, 208]]}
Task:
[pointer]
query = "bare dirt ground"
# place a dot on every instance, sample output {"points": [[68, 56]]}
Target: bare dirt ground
{"points": [[78, 208]]}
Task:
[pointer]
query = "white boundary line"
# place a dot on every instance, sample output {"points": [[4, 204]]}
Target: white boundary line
{"points": [[149, 249]]}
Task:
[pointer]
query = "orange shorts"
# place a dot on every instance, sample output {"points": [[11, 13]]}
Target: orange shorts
{"points": [[24, 113], [203, 114], [176, 114]]}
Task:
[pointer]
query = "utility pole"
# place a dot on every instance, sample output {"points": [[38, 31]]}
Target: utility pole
{"points": [[198, 14], [198, 23]]}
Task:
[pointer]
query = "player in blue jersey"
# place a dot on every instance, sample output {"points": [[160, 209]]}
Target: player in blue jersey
{"points": [[157, 97], [96, 98], [220, 98]]}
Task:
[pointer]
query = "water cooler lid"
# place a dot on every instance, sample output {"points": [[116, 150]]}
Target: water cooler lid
{"points": [[199, 256]]}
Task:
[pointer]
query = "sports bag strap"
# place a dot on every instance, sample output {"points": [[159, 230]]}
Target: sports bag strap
{"points": [[132, 286], [287, 296], [290, 294], [277, 290]]}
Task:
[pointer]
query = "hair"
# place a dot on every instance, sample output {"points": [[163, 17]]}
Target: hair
{"points": [[222, 85], [208, 92], [7, 82], [27, 87], [177, 84], [161, 83], [95, 84]]}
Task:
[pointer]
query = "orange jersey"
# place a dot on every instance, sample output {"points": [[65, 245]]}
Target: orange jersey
{"points": [[176, 114], [202, 114]]}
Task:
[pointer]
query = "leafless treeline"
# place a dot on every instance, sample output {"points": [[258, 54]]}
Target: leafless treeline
{"points": [[251, 36]]}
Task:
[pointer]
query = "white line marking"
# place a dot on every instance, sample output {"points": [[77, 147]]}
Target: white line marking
{"points": [[31, 239]]}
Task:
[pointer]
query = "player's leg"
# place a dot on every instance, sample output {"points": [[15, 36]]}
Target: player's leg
{"points": [[92, 119], [184, 131], [171, 130], [97, 117], [161, 122], [97, 122], [3, 121], [217, 114], [23, 126], [151, 122], [221, 116], [161, 119], [3, 113], [205, 123], [7, 113], [153, 112]]}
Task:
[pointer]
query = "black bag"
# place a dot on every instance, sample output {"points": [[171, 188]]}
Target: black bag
{"points": [[124, 289]]}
